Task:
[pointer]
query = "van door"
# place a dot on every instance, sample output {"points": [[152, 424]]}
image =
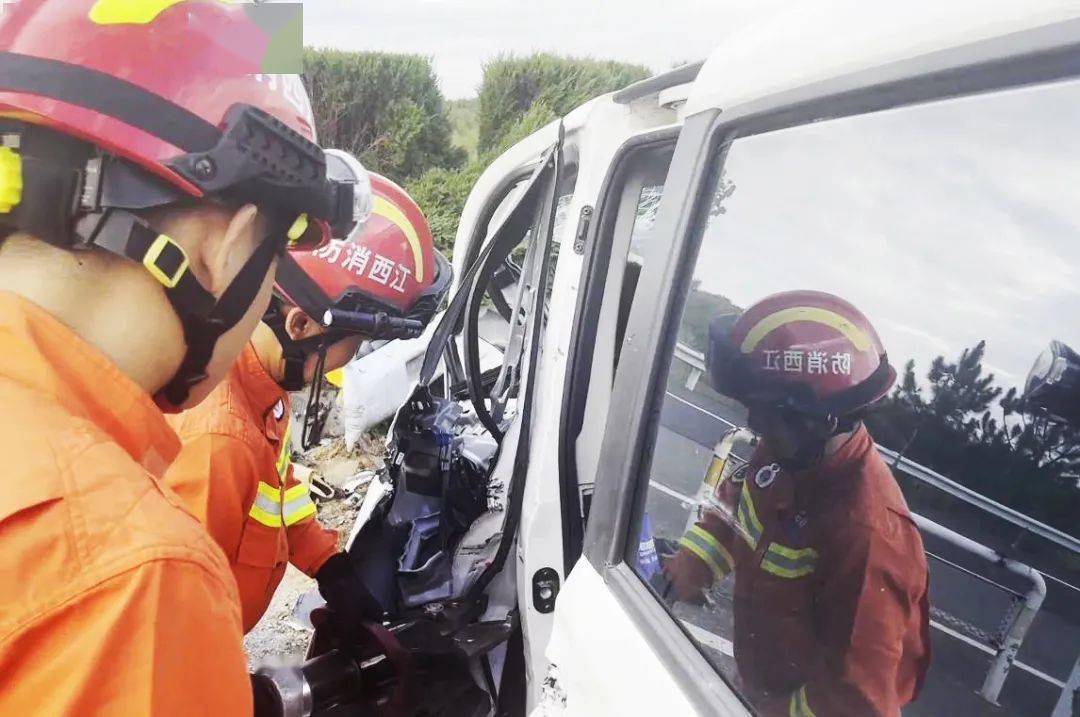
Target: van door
{"points": [[939, 212]]}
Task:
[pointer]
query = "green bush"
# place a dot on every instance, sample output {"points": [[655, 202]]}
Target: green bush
{"points": [[385, 108], [513, 85], [518, 97], [441, 193], [463, 117]]}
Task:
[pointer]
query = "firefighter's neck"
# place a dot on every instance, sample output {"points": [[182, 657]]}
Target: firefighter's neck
{"points": [[269, 352], [131, 321], [834, 444], [807, 466]]}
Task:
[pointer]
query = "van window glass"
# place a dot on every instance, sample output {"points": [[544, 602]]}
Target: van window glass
{"points": [[844, 436]]}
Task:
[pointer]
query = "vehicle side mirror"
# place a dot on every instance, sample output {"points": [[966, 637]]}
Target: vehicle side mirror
{"points": [[1052, 388]]}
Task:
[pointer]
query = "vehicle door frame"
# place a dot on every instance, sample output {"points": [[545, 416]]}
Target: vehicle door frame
{"points": [[594, 286], [1028, 57]]}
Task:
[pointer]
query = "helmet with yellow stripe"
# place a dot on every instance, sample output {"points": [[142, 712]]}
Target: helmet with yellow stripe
{"points": [[385, 280], [808, 351], [111, 108]]}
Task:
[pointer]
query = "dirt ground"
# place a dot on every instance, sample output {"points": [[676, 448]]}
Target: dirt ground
{"points": [[279, 638]]}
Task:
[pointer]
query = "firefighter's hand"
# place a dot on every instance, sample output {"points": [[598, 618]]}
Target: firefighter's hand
{"points": [[349, 600], [727, 494], [689, 576]]}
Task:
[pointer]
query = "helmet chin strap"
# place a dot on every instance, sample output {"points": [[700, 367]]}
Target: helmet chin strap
{"points": [[203, 317], [295, 352], [812, 443], [314, 414], [807, 456]]}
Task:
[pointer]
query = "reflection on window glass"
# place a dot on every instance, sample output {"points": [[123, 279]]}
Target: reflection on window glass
{"points": [[849, 387], [561, 231], [648, 204]]}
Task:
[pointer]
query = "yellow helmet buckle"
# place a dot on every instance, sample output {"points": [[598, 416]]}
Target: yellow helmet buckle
{"points": [[11, 181]]}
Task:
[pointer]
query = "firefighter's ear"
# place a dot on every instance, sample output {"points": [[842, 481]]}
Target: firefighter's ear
{"points": [[299, 325]]}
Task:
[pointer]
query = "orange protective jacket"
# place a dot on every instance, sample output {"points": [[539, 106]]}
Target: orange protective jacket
{"points": [[235, 472], [113, 599], [831, 601]]}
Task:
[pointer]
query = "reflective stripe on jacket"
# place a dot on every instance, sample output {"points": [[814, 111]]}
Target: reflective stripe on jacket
{"points": [[235, 471], [113, 599], [831, 602]]}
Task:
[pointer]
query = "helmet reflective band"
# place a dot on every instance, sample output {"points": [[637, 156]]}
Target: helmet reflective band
{"points": [[807, 350]]}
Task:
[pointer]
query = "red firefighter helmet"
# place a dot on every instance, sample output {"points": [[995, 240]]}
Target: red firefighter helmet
{"points": [[108, 107], [805, 350], [385, 281], [190, 56], [389, 267]]}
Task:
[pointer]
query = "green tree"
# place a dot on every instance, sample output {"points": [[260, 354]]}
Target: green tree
{"points": [[701, 308], [442, 193], [961, 425], [959, 390], [518, 97], [1051, 444], [385, 108], [512, 86]]}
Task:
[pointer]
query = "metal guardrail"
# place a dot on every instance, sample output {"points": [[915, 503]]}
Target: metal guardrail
{"points": [[1004, 646], [1069, 693], [1019, 621], [696, 361], [964, 493]]}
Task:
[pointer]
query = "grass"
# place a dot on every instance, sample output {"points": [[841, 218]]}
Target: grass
{"points": [[465, 124]]}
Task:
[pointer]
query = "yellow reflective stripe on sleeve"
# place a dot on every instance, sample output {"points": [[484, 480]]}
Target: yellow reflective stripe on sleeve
{"points": [[748, 520], [793, 553], [297, 504], [799, 706], [267, 506], [700, 553], [265, 517], [702, 544], [268, 491], [297, 510], [752, 512], [782, 572], [297, 491], [786, 562]]}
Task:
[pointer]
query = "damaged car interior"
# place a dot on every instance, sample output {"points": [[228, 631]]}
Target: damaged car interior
{"points": [[435, 538]]}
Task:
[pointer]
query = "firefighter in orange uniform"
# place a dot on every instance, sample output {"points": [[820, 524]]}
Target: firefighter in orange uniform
{"points": [[831, 604], [139, 232], [235, 470]]}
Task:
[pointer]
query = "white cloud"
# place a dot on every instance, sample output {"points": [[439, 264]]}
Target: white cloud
{"points": [[941, 222], [462, 34]]}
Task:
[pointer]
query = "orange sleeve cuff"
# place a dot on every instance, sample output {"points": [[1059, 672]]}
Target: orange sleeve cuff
{"points": [[311, 545]]}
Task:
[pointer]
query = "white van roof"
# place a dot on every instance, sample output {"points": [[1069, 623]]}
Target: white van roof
{"points": [[825, 39]]}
